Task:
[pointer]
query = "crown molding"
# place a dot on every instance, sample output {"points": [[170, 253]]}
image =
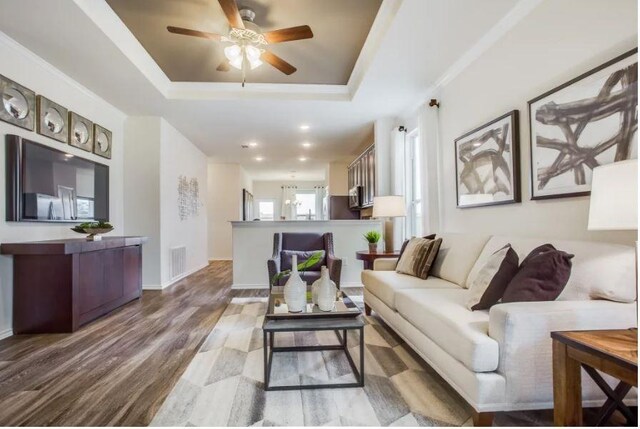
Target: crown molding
{"points": [[30, 56], [112, 26], [510, 20]]}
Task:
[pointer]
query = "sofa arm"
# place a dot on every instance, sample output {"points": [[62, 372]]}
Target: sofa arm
{"points": [[385, 264], [523, 331]]}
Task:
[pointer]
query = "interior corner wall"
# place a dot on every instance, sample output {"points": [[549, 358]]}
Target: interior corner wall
{"points": [[338, 178], [156, 155], [142, 195], [26, 68], [556, 42], [224, 196], [180, 157]]}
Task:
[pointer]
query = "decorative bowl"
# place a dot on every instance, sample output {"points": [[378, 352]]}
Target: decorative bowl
{"points": [[95, 234]]}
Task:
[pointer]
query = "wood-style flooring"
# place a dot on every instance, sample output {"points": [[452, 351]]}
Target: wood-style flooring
{"points": [[116, 370]]}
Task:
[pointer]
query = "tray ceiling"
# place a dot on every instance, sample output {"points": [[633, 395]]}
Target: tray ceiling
{"points": [[340, 29]]}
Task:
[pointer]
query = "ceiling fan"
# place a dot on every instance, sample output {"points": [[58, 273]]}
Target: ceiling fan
{"points": [[248, 42]]}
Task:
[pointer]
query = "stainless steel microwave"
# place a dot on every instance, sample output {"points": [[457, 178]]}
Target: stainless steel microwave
{"points": [[355, 197]]}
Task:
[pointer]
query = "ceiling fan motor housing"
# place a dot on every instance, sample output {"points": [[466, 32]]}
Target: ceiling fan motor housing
{"points": [[247, 14]]}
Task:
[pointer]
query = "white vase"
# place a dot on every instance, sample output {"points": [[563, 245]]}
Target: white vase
{"points": [[314, 291], [295, 290], [326, 291]]}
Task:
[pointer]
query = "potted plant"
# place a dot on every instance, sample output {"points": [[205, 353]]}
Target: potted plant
{"points": [[372, 238]]}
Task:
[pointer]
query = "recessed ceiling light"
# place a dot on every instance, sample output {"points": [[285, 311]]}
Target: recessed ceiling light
{"points": [[304, 127], [68, 155], [259, 158], [306, 145], [253, 144], [302, 158]]}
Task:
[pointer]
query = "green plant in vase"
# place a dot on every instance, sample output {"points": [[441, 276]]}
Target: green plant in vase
{"points": [[372, 238], [302, 267]]}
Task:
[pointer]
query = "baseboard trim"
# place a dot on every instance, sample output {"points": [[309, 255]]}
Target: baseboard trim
{"points": [[171, 282], [6, 334]]}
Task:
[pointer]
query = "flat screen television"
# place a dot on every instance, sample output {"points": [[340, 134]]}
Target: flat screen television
{"points": [[48, 185]]}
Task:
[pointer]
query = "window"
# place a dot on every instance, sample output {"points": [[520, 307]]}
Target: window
{"points": [[414, 184], [306, 205], [266, 209]]}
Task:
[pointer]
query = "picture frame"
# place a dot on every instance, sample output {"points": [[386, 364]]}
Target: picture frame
{"points": [[53, 119], [80, 132], [18, 104], [588, 121], [102, 141], [487, 161]]}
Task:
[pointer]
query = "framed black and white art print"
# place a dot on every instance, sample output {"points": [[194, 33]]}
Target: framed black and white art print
{"points": [[487, 164], [589, 121]]}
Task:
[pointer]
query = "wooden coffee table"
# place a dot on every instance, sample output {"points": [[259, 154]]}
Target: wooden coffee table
{"points": [[614, 352], [346, 316], [368, 257]]}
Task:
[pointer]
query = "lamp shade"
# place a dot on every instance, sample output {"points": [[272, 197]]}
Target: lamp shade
{"points": [[389, 206], [614, 197]]}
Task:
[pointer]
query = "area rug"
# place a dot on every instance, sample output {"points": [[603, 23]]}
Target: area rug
{"points": [[223, 385]]}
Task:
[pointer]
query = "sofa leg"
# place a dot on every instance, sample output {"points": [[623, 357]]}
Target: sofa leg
{"points": [[367, 309], [482, 419]]}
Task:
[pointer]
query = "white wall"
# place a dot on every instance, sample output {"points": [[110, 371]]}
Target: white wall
{"points": [[157, 154], [556, 42], [142, 195], [180, 157], [272, 190], [338, 178], [225, 183], [25, 68]]}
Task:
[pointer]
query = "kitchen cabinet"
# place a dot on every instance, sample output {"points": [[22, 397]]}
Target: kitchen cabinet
{"points": [[362, 173]]}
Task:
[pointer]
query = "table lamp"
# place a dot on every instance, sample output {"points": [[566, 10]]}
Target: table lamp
{"points": [[614, 200], [387, 207]]}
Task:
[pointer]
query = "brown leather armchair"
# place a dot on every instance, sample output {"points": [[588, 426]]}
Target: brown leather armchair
{"points": [[304, 242]]}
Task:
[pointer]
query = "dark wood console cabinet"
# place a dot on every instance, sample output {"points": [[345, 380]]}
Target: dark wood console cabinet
{"points": [[60, 285]]}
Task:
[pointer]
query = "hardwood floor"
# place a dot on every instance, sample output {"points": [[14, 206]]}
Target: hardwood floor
{"points": [[119, 369]]}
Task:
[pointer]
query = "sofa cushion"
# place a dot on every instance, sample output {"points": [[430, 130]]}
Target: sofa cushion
{"points": [[385, 284], [457, 254], [599, 270], [442, 316]]}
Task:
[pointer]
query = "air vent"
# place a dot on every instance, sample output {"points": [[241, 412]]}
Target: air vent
{"points": [[178, 262]]}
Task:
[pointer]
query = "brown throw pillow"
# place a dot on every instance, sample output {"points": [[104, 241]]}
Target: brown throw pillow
{"points": [[418, 257], [489, 285], [542, 276], [404, 245]]}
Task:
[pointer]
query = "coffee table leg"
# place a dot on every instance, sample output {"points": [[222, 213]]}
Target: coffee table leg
{"points": [[362, 357], [266, 362]]}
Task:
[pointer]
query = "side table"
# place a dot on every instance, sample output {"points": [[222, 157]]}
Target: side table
{"points": [[613, 352], [368, 257]]}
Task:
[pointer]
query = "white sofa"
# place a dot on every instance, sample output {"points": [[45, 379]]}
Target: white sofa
{"points": [[500, 360]]}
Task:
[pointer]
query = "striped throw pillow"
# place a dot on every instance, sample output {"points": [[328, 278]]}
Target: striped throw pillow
{"points": [[418, 257]]}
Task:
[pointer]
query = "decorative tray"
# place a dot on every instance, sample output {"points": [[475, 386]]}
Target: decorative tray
{"points": [[344, 307]]}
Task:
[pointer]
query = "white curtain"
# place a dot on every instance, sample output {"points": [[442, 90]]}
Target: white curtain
{"points": [[398, 181], [430, 144], [321, 194], [288, 209]]}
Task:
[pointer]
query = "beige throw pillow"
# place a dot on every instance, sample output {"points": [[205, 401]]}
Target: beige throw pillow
{"points": [[489, 285], [418, 257]]}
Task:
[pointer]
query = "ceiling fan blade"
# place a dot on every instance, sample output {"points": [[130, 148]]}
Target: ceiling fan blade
{"points": [[230, 9], [278, 63], [196, 33], [224, 66], [289, 34]]}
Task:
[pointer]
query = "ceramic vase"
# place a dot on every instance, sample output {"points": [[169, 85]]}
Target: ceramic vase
{"points": [[295, 290], [326, 291]]}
